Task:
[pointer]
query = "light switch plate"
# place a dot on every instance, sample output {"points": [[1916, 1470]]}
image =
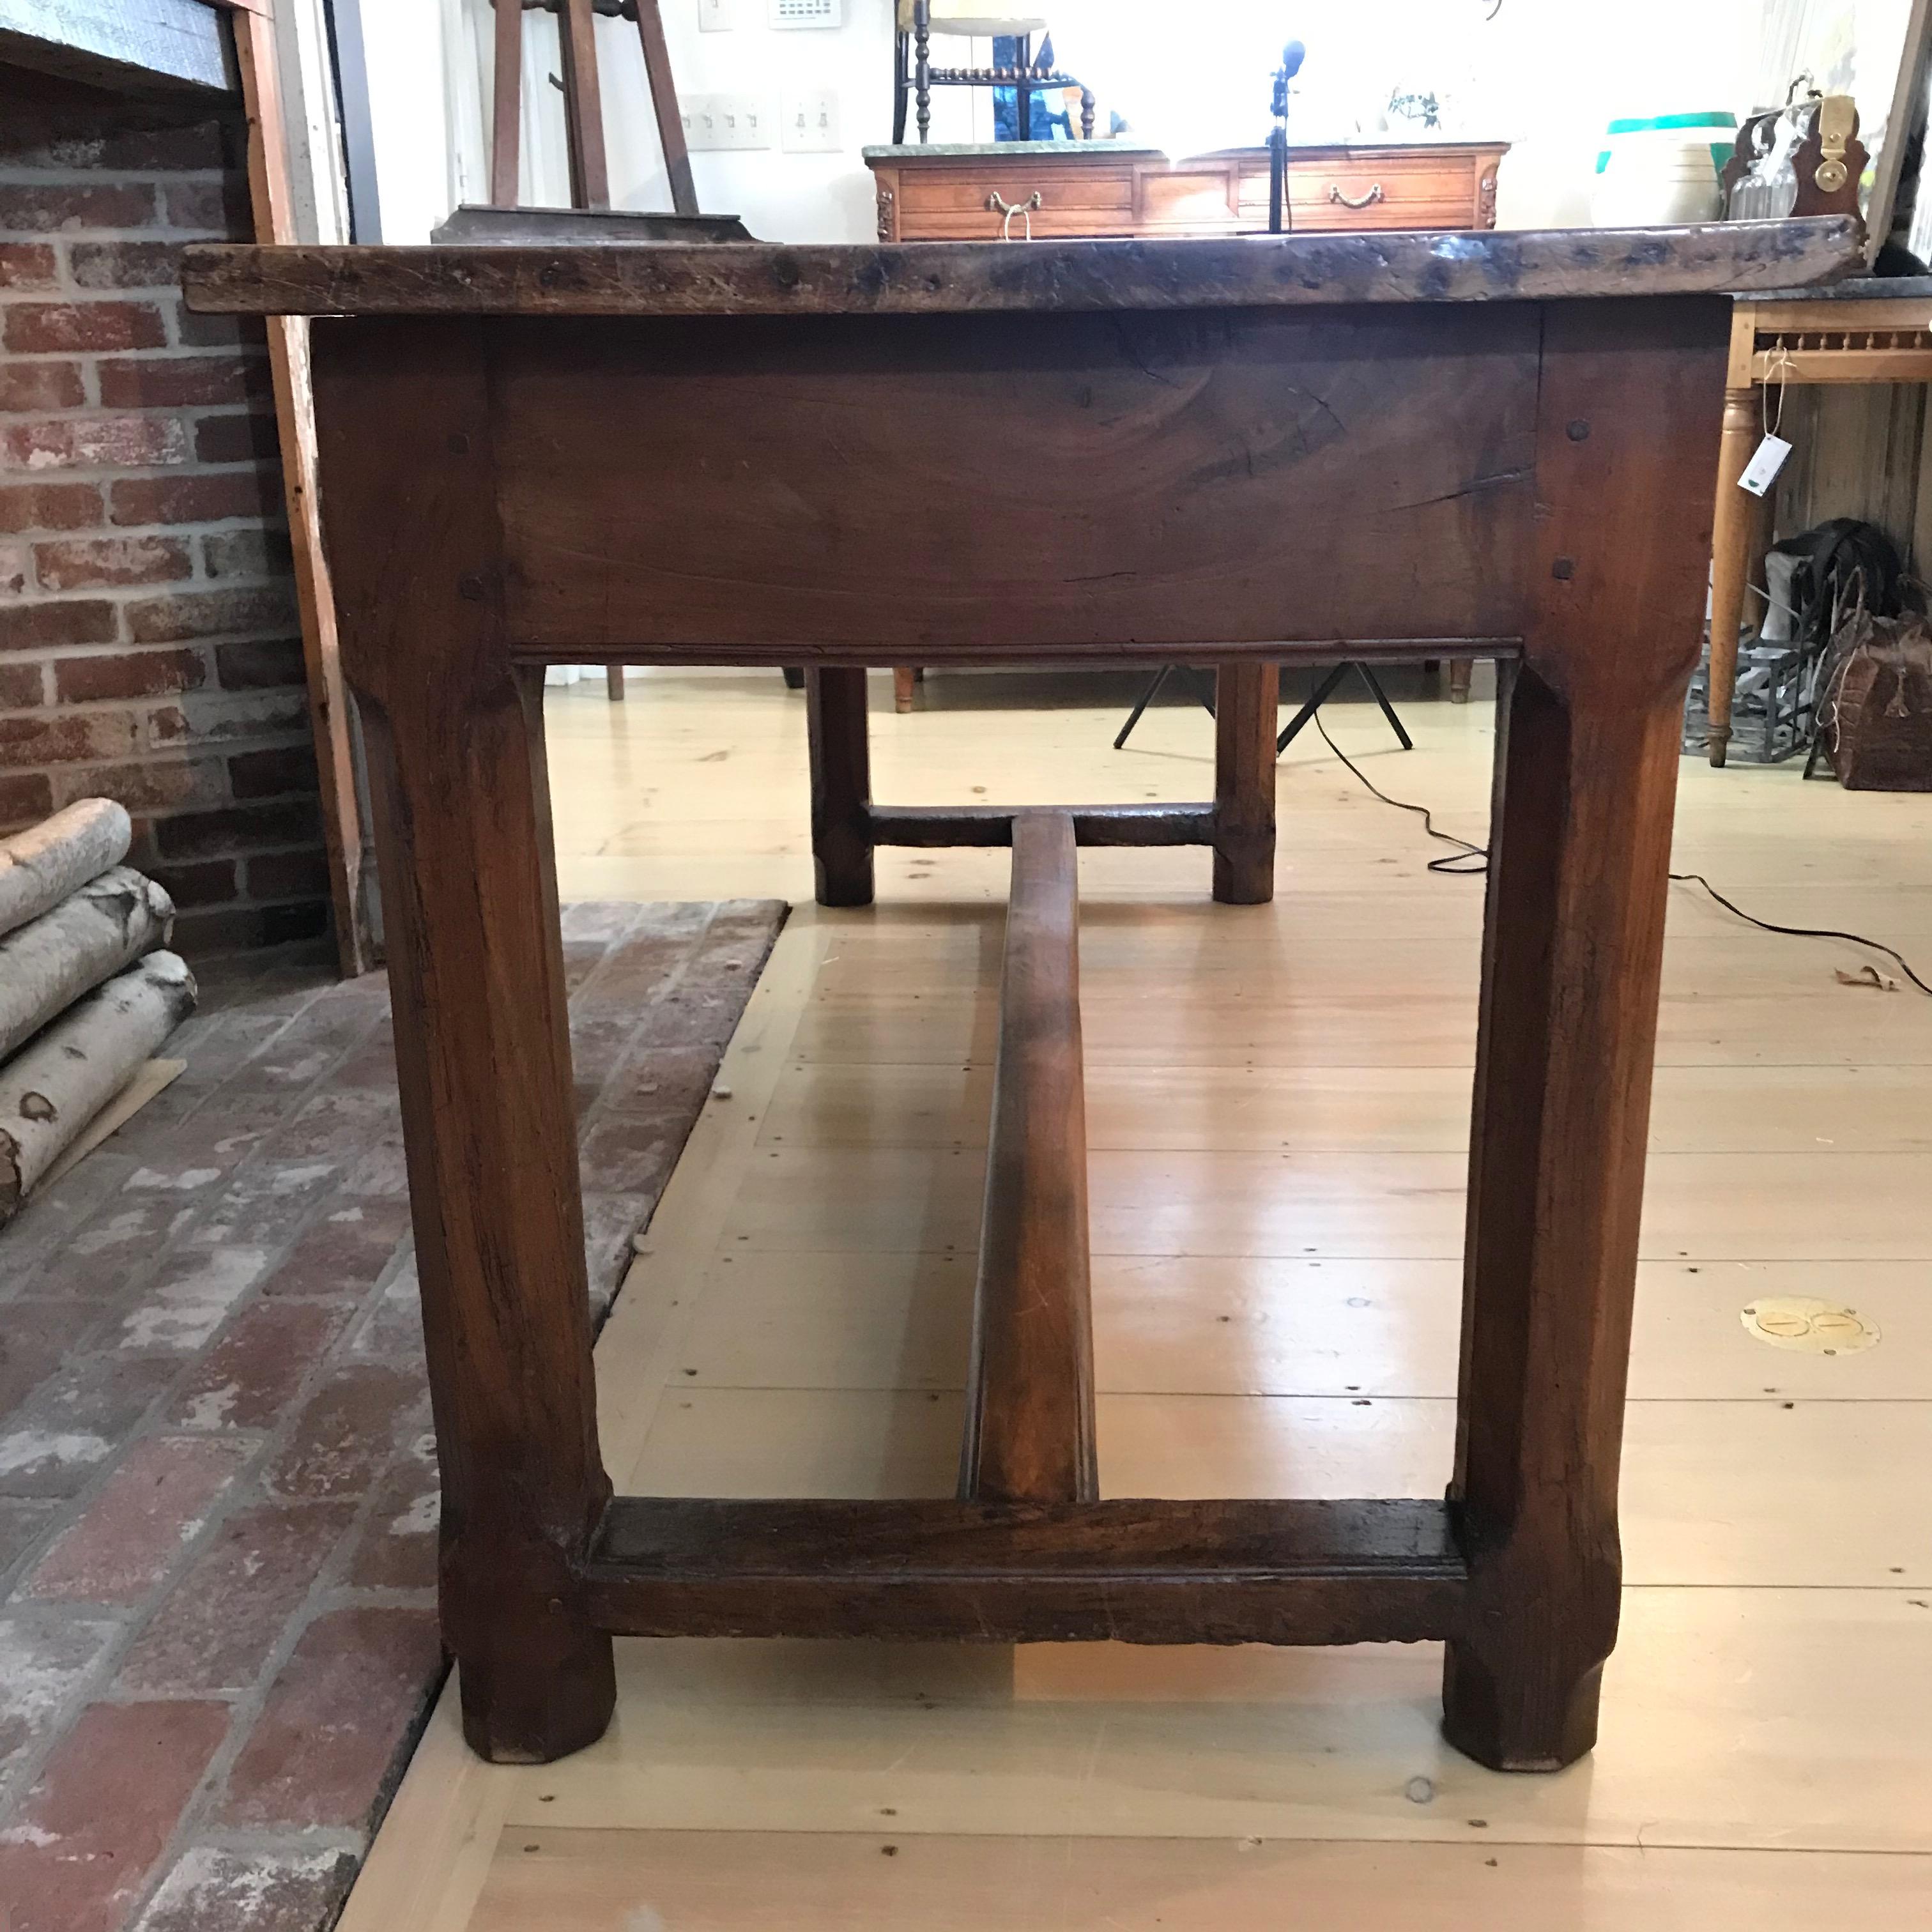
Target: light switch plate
{"points": [[714, 16], [715, 121], [808, 122]]}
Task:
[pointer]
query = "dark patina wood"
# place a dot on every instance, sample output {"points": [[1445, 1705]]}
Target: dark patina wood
{"points": [[1029, 1436], [456, 754], [841, 756], [1159, 452], [1246, 701], [582, 105], [1130, 1572], [664, 108], [937, 825], [1389, 463], [1044, 277], [506, 122], [1580, 850]]}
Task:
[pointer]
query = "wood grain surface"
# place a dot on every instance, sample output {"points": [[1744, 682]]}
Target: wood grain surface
{"points": [[928, 278], [1029, 1431], [992, 825], [1247, 702], [462, 809], [1573, 950], [827, 489], [841, 784], [1129, 1571]]}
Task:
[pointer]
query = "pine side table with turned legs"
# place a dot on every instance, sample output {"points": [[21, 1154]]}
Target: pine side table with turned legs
{"points": [[1872, 329], [1235, 451]]}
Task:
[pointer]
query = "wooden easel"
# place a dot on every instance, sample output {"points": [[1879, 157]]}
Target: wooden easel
{"points": [[584, 117]]}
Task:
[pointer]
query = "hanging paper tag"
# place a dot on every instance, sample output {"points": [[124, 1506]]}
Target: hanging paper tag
{"points": [[1761, 472]]}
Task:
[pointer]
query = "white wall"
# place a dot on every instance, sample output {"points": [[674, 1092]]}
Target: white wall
{"points": [[1548, 73], [430, 148], [1561, 70], [784, 197], [403, 43]]}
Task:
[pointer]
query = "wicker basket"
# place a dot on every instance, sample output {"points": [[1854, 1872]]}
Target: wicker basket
{"points": [[1877, 721]]}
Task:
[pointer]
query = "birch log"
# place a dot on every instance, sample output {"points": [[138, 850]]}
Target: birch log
{"points": [[47, 964], [40, 866], [50, 1092]]}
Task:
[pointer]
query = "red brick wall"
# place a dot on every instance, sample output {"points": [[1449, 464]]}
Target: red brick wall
{"points": [[148, 645]]}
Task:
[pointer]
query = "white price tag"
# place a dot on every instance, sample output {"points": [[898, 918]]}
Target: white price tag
{"points": [[1761, 472]]}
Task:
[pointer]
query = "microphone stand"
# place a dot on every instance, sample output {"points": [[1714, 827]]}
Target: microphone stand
{"points": [[1278, 152], [1292, 58]]}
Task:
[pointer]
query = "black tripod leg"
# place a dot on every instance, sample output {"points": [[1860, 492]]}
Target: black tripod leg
{"points": [[1147, 697], [1211, 690], [1322, 692], [1381, 697]]}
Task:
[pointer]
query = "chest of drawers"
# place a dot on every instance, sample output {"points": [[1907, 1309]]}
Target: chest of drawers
{"points": [[1059, 189]]}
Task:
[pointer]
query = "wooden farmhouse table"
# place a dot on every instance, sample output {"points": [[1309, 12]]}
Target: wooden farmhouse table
{"points": [[1237, 451]]}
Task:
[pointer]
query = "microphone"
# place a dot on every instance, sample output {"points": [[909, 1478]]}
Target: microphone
{"points": [[1292, 55]]}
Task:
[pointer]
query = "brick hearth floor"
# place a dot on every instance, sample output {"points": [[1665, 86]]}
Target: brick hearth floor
{"points": [[217, 1487]]}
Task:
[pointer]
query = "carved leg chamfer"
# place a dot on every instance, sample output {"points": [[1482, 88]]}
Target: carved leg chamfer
{"points": [[1589, 728]]}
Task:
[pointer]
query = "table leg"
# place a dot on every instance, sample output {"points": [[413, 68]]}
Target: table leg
{"points": [[1737, 517], [904, 678], [1589, 733], [842, 784], [454, 735], [1247, 704], [1462, 671]]}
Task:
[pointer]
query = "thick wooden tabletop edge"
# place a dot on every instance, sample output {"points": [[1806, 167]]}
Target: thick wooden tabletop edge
{"points": [[938, 278]]}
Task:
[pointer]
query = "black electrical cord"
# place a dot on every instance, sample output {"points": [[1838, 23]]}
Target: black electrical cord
{"points": [[1470, 861], [1898, 959], [1466, 861]]}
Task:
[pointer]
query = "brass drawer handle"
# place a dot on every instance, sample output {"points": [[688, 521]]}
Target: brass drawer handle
{"points": [[1369, 200], [1024, 209]]}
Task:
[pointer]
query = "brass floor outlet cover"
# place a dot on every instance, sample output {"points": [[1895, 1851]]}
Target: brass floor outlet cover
{"points": [[1813, 1328]]}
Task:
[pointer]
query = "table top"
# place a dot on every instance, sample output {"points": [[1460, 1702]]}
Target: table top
{"points": [[899, 153], [940, 277], [1861, 288]]}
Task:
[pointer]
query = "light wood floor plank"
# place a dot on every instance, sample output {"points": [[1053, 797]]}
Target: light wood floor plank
{"points": [[1721, 1728], [1826, 1205], [1371, 1109], [1848, 1030], [1220, 1325], [584, 1881]]}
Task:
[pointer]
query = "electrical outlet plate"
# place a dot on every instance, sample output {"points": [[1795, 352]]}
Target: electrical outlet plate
{"points": [[806, 13], [808, 122], [717, 121], [714, 16]]}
